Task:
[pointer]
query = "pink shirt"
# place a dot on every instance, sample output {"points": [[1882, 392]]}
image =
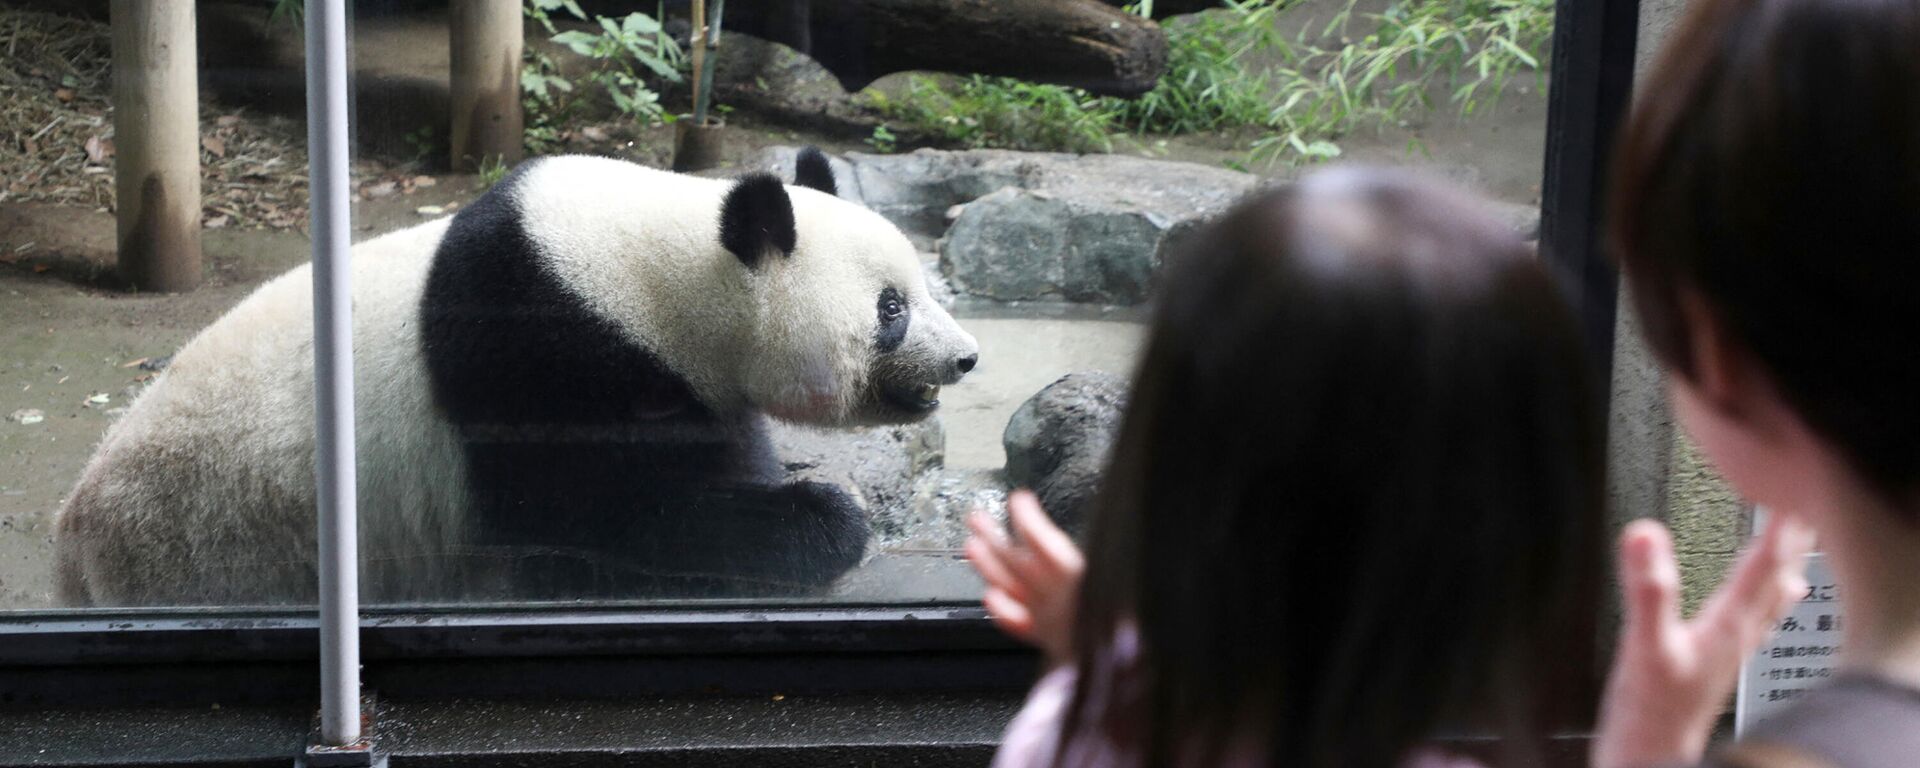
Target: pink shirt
{"points": [[1033, 736]]}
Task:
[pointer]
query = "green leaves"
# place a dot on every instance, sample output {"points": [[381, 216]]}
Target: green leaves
{"points": [[626, 52], [1232, 70], [581, 42]]}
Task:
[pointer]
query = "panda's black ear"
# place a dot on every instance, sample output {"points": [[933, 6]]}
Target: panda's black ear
{"points": [[756, 218], [811, 170]]}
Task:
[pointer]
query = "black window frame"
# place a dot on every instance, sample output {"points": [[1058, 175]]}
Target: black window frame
{"points": [[195, 656]]}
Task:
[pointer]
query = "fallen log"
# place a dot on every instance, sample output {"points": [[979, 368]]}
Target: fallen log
{"points": [[1084, 43]]}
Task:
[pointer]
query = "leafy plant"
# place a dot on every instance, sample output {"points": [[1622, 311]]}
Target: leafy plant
{"points": [[1467, 48], [1003, 112], [493, 168], [1209, 84], [883, 141], [627, 54], [423, 142], [1231, 70]]}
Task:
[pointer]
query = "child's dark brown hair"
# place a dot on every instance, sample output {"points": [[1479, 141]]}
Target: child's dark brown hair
{"points": [[1357, 495]]}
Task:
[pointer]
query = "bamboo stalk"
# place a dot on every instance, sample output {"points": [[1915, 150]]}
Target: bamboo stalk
{"points": [[699, 39]]}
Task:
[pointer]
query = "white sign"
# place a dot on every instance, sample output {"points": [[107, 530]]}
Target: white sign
{"points": [[1801, 655]]}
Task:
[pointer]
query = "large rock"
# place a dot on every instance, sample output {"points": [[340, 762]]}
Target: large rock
{"points": [[1118, 210], [1090, 229], [1058, 442], [882, 465], [1017, 245], [1027, 226], [914, 191]]}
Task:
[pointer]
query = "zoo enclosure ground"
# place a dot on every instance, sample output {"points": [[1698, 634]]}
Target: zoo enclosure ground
{"points": [[66, 337]]}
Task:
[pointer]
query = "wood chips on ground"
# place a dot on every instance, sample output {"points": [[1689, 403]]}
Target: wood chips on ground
{"points": [[57, 135]]}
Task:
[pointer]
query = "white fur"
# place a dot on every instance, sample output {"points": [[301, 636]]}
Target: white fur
{"points": [[203, 492], [794, 337]]}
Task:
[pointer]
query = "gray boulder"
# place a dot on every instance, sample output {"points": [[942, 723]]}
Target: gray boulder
{"points": [[1037, 226], [914, 191], [1120, 209], [1058, 442], [1017, 245], [880, 465]]}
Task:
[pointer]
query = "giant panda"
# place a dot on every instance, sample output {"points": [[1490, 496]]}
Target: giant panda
{"points": [[560, 393]]}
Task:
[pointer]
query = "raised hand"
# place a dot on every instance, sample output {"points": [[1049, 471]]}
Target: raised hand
{"points": [[1670, 676], [1033, 583]]}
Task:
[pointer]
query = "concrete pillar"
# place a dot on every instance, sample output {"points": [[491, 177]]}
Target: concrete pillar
{"points": [[487, 38], [156, 127], [1654, 470]]}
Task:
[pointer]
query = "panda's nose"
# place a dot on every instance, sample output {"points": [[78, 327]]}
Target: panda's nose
{"points": [[965, 364]]}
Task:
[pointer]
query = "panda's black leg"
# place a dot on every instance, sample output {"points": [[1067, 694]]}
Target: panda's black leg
{"points": [[841, 530], [790, 538]]}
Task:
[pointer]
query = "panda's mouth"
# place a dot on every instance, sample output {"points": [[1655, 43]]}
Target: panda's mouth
{"points": [[914, 399]]}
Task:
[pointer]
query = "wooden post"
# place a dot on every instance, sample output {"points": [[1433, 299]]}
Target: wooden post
{"points": [[156, 127], [485, 82]]}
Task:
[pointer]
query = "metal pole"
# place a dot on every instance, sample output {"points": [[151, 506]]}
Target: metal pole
{"points": [[333, 372]]}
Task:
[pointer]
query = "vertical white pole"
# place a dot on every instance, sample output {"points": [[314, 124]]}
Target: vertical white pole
{"points": [[333, 371]]}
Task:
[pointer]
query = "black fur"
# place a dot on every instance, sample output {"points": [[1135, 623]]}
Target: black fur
{"points": [[593, 469], [892, 331], [811, 170], [757, 217]]}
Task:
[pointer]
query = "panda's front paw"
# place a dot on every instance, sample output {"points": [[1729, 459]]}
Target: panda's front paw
{"points": [[837, 526], [809, 474]]}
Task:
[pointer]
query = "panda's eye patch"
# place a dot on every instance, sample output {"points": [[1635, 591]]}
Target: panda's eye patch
{"points": [[892, 306], [893, 321]]}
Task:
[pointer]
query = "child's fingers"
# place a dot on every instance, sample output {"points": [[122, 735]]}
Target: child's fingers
{"points": [[1040, 534], [1651, 582], [1010, 615], [993, 568], [984, 526], [1762, 584]]}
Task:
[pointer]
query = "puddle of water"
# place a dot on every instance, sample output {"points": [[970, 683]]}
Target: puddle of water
{"points": [[1023, 349]]}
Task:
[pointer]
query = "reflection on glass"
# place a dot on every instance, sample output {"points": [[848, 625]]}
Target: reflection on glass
{"points": [[591, 378]]}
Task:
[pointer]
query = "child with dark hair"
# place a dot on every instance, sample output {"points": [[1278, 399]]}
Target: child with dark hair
{"points": [[1354, 506], [1766, 212]]}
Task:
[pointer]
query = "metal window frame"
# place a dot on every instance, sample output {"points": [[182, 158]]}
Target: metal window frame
{"points": [[1594, 48], [192, 656]]}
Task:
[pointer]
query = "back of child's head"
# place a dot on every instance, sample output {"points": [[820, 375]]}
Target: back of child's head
{"points": [[1773, 171], [1357, 492]]}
